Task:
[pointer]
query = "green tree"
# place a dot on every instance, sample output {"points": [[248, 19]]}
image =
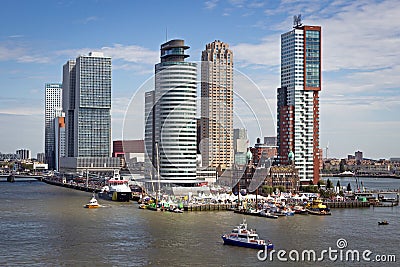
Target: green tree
{"points": [[267, 190], [348, 187], [338, 184], [342, 165], [328, 184]]}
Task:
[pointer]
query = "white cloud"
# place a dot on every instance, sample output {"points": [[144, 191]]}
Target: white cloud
{"points": [[357, 38], [132, 53], [211, 4], [266, 53], [127, 54], [10, 53]]}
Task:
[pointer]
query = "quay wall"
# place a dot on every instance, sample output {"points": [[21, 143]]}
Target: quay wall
{"points": [[209, 207], [359, 204], [72, 186], [347, 204]]}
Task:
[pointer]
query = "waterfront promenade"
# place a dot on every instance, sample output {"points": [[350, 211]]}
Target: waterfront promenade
{"points": [[92, 186]]}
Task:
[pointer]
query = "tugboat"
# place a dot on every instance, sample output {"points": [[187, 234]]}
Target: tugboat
{"points": [[317, 208], [92, 203], [117, 189], [243, 237]]}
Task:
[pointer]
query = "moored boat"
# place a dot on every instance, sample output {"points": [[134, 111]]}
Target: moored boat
{"points": [[117, 189], [243, 237], [93, 204], [317, 208], [300, 210]]}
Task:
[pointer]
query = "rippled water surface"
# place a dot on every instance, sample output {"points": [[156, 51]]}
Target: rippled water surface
{"points": [[44, 225]]}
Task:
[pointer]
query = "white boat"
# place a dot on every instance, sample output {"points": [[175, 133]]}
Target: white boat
{"points": [[92, 203], [117, 189]]}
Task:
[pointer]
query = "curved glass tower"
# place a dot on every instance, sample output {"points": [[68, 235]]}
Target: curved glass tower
{"points": [[175, 114]]}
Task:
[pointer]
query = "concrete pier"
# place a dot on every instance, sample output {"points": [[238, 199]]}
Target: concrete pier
{"points": [[73, 186], [208, 207]]}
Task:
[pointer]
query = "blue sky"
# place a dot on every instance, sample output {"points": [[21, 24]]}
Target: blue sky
{"points": [[359, 101]]}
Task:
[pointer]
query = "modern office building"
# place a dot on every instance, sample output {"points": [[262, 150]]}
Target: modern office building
{"points": [[40, 157], [173, 127], [53, 109], [23, 154], [130, 151], [298, 100], [217, 106], [59, 137], [240, 146], [87, 107], [149, 134], [358, 155]]}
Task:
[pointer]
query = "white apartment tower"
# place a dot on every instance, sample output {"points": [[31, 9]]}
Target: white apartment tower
{"points": [[298, 100], [53, 109], [217, 106]]}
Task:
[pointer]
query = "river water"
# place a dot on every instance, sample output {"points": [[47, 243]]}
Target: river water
{"points": [[44, 225]]}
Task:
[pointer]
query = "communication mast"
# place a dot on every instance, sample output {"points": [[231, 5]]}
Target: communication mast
{"points": [[297, 21]]}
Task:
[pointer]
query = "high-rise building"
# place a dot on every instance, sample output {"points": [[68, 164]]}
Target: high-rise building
{"points": [[217, 106], [298, 100], [358, 155], [59, 137], [87, 107], [87, 104], [53, 109], [23, 154], [240, 146], [149, 134], [173, 127], [40, 157]]}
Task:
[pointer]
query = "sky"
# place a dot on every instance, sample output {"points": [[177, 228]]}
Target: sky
{"points": [[359, 101]]}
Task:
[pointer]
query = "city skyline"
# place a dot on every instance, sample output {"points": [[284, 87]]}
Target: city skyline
{"points": [[358, 106]]}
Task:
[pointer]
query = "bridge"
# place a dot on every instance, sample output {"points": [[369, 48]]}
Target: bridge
{"points": [[19, 178]]}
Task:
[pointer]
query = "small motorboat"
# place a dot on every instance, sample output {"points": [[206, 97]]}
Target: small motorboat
{"points": [[92, 203], [142, 206], [383, 223], [243, 237], [268, 215]]}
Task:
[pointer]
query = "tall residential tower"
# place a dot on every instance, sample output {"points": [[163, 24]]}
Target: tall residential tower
{"points": [[298, 100], [53, 110], [217, 106]]}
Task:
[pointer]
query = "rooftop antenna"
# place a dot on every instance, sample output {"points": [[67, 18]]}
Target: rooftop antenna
{"points": [[297, 21], [166, 34]]}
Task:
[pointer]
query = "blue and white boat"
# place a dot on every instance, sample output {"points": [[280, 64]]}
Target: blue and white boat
{"points": [[243, 237]]}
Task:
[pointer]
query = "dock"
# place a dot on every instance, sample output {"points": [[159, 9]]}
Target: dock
{"points": [[72, 186], [359, 204], [347, 204], [209, 207]]}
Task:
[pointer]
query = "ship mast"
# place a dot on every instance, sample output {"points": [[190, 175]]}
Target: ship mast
{"points": [[158, 173]]}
